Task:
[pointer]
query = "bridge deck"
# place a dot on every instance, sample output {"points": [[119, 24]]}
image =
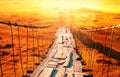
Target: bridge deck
{"points": [[61, 60]]}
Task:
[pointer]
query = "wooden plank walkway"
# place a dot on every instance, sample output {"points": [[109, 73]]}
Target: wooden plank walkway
{"points": [[61, 60]]}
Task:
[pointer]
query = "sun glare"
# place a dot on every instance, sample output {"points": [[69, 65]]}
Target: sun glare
{"points": [[61, 5], [68, 4]]}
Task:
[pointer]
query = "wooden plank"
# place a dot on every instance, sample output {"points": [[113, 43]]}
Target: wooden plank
{"points": [[65, 53], [39, 69], [52, 63], [78, 75], [77, 63], [75, 55], [59, 53], [54, 60], [46, 72], [69, 72], [59, 57], [77, 66], [61, 62], [67, 60], [61, 72], [52, 53]]}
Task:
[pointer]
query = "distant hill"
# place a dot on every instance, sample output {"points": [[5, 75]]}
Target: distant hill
{"points": [[90, 17], [82, 17]]}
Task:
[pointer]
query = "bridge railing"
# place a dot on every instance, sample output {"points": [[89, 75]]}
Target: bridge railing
{"points": [[22, 47], [100, 50]]}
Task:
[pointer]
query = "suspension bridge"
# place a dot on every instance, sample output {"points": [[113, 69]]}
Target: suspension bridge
{"points": [[62, 52]]}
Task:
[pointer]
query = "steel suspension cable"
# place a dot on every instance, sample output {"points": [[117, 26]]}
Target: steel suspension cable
{"points": [[92, 53], [104, 49], [82, 43], [112, 33], [1, 66], [19, 42], [86, 50], [91, 49], [37, 37], [76, 37], [33, 47], [94, 35], [12, 40], [96, 44], [47, 41], [42, 39], [27, 49]]}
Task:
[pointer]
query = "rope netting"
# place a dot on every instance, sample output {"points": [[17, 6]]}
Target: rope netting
{"points": [[24, 52], [99, 48]]}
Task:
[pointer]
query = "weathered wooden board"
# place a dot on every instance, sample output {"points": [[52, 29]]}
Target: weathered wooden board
{"points": [[78, 75], [61, 72], [61, 60], [46, 72]]}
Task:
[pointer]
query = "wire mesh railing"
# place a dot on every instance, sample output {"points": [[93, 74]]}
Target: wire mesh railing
{"points": [[100, 50], [22, 48]]}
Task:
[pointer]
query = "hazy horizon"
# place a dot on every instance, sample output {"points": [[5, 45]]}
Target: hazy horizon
{"points": [[38, 6]]}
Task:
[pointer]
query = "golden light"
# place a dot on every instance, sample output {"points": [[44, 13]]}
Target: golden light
{"points": [[61, 5], [69, 4]]}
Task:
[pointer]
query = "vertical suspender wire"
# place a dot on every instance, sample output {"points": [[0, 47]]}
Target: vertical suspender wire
{"points": [[82, 39], [42, 39], [104, 51], [13, 48], [45, 42], [20, 50], [48, 40], [86, 50], [92, 45], [37, 37], [76, 42], [98, 36], [83, 48], [94, 35], [96, 43], [82, 43], [89, 50], [110, 51], [33, 47], [27, 50], [79, 39], [91, 36], [75, 35], [1, 65]]}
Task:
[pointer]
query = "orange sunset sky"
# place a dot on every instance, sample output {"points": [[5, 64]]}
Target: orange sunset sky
{"points": [[45, 5]]}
